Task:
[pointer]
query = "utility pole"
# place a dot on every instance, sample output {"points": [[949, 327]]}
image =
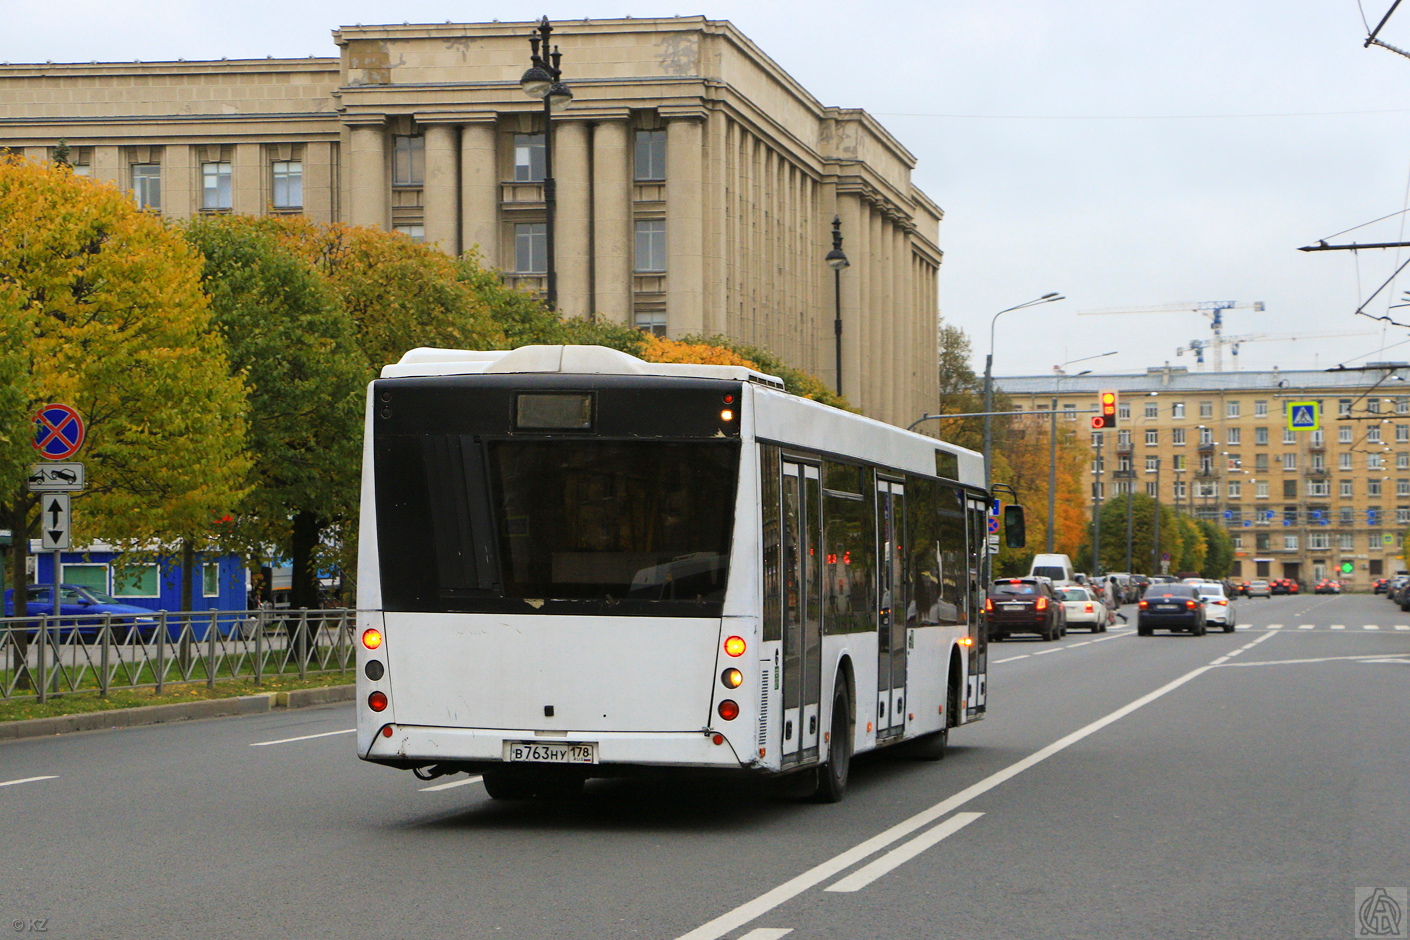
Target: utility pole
{"points": [[1097, 510]]}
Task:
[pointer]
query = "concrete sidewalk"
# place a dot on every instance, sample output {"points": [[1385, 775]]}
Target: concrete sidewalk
{"points": [[181, 711]]}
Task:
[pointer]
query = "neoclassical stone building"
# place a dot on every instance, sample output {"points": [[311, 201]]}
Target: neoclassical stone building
{"points": [[697, 181]]}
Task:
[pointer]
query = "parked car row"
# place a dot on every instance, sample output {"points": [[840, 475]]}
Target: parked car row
{"points": [[1398, 590]]}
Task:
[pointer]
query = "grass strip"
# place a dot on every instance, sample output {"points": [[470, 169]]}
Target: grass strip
{"points": [[75, 703]]}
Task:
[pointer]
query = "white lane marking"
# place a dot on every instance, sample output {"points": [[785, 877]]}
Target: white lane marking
{"points": [[1011, 659], [904, 853], [1338, 626], [305, 737], [731, 920], [452, 785], [1307, 626], [1323, 659], [1371, 626], [1046, 652], [1074, 646], [767, 933], [1234, 652], [1220, 661], [11, 783], [1275, 626], [1403, 662]]}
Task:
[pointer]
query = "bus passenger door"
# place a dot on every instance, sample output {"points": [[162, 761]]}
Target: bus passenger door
{"points": [[891, 621], [979, 566], [802, 608]]}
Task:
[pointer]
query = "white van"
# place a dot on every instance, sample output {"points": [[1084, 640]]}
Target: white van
{"points": [[1057, 568]]}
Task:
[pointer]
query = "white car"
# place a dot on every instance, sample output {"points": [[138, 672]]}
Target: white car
{"points": [[1082, 608], [1218, 611]]}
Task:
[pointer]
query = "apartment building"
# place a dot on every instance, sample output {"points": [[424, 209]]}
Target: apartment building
{"points": [[697, 182], [1298, 503]]}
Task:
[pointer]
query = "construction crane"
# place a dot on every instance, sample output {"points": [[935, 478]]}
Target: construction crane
{"points": [[1198, 346], [1213, 309]]}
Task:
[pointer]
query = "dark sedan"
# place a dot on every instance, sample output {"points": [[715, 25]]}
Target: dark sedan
{"points": [[1024, 605], [1173, 607]]}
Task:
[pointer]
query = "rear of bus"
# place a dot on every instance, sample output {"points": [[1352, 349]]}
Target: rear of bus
{"points": [[545, 564]]}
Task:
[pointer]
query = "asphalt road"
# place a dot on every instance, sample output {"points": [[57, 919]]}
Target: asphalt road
{"points": [[1227, 786]]}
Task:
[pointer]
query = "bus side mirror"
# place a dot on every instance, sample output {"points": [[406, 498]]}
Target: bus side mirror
{"points": [[1015, 527]]}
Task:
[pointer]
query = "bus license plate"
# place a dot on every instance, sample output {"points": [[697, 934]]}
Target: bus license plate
{"points": [[534, 752]]}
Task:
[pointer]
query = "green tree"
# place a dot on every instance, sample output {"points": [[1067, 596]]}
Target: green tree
{"points": [[795, 380], [1219, 550], [961, 391], [294, 346], [107, 306]]}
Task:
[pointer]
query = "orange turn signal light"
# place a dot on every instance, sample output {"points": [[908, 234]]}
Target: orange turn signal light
{"points": [[731, 678], [736, 646], [372, 638]]}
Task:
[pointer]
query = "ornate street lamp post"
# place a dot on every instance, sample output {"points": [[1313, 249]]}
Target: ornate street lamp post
{"points": [[544, 80], [837, 260]]}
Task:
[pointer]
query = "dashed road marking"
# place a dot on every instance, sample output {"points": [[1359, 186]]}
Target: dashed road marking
{"points": [[11, 783], [1338, 626], [1306, 626], [1372, 626], [767, 933], [453, 784], [305, 737]]}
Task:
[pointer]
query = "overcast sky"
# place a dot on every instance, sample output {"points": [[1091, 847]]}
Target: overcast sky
{"points": [[1126, 154]]}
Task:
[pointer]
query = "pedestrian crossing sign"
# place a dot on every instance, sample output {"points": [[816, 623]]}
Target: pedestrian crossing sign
{"points": [[1304, 416]]}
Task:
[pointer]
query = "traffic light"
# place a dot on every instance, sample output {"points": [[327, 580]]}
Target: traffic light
{"points": [[1105, 420]]}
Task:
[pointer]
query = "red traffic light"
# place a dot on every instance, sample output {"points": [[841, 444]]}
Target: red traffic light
{"points": [[1107, 401], [1099, 423]]}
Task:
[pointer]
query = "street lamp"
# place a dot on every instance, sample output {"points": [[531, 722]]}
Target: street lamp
{"points": [[544, 80], [837, 260], [1052, 439], [989, 374]]}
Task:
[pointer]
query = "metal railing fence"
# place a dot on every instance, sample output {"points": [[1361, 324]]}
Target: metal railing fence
{"points": [[47, 655]]}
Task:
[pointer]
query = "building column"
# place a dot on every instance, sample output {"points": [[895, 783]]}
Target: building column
{"points": [[368, 187], [685, 274], [612, 222], [479, 191], [441, 192], [572, 220]]}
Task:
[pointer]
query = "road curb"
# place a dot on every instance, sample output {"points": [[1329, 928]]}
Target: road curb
{"points": [[182, 711]]}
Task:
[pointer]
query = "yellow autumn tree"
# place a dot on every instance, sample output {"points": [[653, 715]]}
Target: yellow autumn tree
{"points": [[108, 306], [1021, 459]]}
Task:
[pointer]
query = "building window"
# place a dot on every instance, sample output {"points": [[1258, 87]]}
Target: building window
{"points": [[1343, 407], [1206, 435], [416, 233], [1260, 409], [1152, 410], [1099, 490], [1069, 411], [1375, 462], [1402, 433], [1177, 462], [650, 155], [1206, 409], [93, 577], [1373, 405], [1373, 487], [1318, 439], [1344, 434], [1319, 541], [1236, 490], [1289, 489], [1152, 438], [1402, 515], [1235, 436], [136, 581], [1260, 462], [1231, 409], [1318, 488], [1346, 542], [1177, 436], [1289, 436], [1402, 406], [1402, 461], [1205, 490], [531, 248], [651, 245], [215, 186], [1152, 464], [1373, 434], [288, 184], [1235, 462], [1402, 487], [210, 580], [1262, 541], [1180, 489], [1123, 409], [1260, 489], [1346, 489], [147, 185], [528, 158], [1177, 409], [1290, 543], [1123, 439], [1260, 435], [1290, 461], [408, 160], [1319, 462], [1151, 490], [1343, 461], [1096, 438], [1347, 516], [653, 321]]}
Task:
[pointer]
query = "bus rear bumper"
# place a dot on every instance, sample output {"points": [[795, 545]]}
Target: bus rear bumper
{"points": [[475, 749]]}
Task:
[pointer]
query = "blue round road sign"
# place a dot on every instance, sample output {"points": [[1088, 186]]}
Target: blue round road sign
{"points": [[58, 432]]}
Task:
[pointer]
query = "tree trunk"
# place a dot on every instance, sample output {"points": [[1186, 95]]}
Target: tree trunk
{"points": [[188, 563], [304, 589]]}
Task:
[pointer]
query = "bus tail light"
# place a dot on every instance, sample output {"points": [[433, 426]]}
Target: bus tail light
{"points": [[377, 701], [736, 646], [731, 678], [729, 710], [372, 638]]}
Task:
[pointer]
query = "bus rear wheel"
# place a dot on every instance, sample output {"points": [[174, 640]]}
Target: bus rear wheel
{"points": [[507, 786], [832, 776]]}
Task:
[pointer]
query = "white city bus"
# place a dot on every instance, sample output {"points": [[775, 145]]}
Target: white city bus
{"points": [[574, 563]]}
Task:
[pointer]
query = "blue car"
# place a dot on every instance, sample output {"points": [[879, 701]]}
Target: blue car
{"points": [[86, 608]]}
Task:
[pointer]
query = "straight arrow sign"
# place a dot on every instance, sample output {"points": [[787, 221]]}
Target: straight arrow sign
{"points": [[54, 522]]}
